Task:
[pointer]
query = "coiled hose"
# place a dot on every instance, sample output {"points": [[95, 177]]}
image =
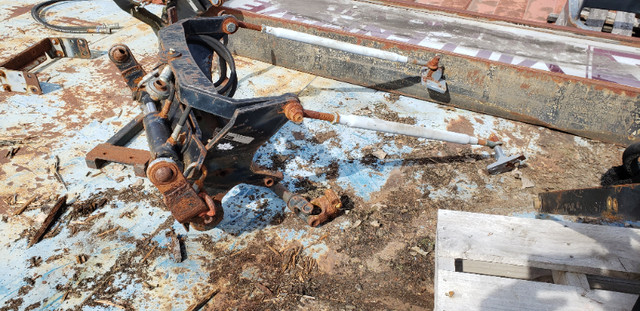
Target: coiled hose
{"points": [[226, 84], [36, 10]]}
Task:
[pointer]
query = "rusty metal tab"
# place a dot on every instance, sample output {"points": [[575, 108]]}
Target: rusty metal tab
{"points": [[19, 81], [129, 67], [103, 153], [71, 47], [614, 203]]}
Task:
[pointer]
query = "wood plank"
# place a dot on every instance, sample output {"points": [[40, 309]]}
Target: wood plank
{"points": [[623, 24], [596, 19], [613, 284], [571, 279], [546, 244], [503, 270], [480, 292], [54, 213]]}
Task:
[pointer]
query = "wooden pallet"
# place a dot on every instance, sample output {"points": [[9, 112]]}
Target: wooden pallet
{"points": [[619, 23], [489, 262], [615, 22]]}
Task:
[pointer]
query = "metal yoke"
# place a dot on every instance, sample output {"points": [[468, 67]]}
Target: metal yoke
{"points": [[202, 141]]}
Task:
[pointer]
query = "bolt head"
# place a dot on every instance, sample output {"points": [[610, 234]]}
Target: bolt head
{"points": [[119, 54], [172, 51], [307, 208], [231, 27], [164, 174]]}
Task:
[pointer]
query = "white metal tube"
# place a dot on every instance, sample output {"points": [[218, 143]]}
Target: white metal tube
{"points": [[334, 44], [405, 129]]}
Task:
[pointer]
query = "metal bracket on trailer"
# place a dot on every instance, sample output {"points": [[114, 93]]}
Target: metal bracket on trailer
{"points": [[15, 73]]}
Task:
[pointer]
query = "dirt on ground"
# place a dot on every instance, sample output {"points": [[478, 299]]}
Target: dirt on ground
{"points": [[384, 259]]}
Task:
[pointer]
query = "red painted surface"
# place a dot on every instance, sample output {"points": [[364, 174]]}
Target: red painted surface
{"points": [[455, 4], [538, 10], [527, 10]]}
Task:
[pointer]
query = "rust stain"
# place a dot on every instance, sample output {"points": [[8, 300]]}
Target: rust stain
{"points": [[3, 159], [71, 21], [17, 11], [475, 77], [461, 125], [525, 86]]}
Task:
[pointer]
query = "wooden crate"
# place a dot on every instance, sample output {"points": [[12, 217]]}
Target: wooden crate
{"points": [[489, 262]]}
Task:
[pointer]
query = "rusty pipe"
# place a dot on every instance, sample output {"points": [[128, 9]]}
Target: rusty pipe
{"points": [[330, 117]]}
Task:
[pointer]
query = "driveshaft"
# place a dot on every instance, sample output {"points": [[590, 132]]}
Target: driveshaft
{"points": [[398, 128]]}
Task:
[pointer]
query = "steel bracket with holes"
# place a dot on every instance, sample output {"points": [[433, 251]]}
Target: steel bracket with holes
{"points": [[15, 75]]}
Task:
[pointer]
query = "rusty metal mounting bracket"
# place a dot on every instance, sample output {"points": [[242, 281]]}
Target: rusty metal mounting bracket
{"points": [[114, 151], [433, 76], [15, 75]]}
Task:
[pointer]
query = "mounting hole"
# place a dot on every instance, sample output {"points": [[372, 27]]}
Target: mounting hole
{"points": [[268, 181]]}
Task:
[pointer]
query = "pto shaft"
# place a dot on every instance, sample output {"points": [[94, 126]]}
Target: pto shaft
{"points": [[398, 128]]}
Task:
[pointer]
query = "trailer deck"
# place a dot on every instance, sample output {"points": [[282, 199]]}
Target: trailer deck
{"points": [[112, 248]]}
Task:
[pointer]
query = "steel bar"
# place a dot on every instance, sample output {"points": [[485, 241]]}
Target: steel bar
{"points": [[621, 202], [128, 132], [31, 57]]}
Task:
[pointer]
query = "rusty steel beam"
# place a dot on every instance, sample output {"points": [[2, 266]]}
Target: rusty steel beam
{"points": [[590, 108]]}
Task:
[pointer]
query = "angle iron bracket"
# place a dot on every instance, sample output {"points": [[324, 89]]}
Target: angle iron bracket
{"points": [[15, 75]]}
